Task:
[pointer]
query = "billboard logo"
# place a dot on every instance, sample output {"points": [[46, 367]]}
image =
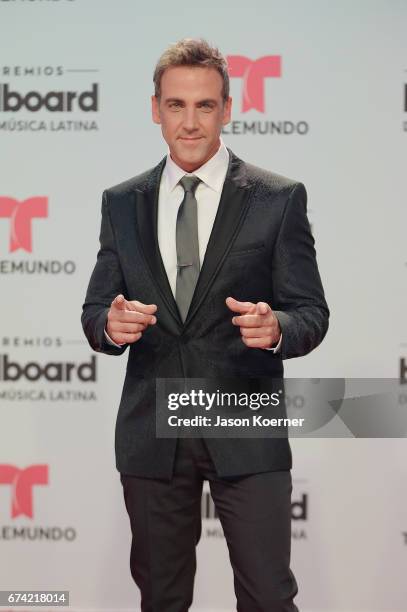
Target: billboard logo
{"points": [[253, 73], [53, 101], [11, 371], [64, 107], [22, 483], [299, 507], [20, 215]]}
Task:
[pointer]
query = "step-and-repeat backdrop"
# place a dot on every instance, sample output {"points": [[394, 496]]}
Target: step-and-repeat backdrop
{"points": [[75, 86]]}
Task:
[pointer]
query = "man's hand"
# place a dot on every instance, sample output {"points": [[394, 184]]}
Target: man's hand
{"points": [[258, 324], [126, 320]]}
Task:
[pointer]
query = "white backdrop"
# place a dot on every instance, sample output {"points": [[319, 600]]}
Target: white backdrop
{"points": [[344, 74]]}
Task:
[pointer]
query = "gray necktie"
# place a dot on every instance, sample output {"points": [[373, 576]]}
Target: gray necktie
{"points": [[188, 264]]}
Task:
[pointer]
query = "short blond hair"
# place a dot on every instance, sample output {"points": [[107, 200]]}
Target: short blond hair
{"points": [[192, 52]]}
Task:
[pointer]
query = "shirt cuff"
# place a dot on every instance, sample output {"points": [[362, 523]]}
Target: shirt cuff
{"points": [[276, 349], [110, 341]]}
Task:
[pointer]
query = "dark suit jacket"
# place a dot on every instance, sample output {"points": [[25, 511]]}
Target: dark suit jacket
{"points": [[260, 249]]}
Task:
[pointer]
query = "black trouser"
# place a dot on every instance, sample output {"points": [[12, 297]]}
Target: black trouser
{"points": [[165, 518]]}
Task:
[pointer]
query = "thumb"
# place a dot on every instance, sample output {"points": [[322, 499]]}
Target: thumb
{"points": [[240, 307], [119, 302], [262, 308]]}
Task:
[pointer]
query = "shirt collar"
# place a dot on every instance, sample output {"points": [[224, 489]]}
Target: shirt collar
{"points": [[212, 172]]}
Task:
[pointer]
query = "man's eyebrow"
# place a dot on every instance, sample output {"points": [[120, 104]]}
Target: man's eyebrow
{"points": [[172, 100], [205, 101]]}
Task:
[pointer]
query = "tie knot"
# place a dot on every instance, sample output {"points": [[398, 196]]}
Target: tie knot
{"points": [[190, 183]]}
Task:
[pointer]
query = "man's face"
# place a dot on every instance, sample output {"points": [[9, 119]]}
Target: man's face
{"points": [[191, 112]]}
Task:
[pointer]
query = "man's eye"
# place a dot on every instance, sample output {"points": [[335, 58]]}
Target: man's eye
{"points": [[206, 106], [175, 105]]}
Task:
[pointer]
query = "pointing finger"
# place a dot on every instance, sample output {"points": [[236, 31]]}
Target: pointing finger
{"points": [[248, 320], [144, 308]]}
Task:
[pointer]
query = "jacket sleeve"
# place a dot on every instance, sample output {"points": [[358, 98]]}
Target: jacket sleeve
{"points": [[105, 283], [298, 296]]}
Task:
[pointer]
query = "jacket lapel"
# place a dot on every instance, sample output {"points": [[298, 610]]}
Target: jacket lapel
{"points": [[147, 213], [230, 215]]}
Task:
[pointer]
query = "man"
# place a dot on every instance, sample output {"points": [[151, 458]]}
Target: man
{"points": [[206, 268]]}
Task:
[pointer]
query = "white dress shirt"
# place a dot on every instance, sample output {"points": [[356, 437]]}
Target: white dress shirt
{"points": [[207, 194]]}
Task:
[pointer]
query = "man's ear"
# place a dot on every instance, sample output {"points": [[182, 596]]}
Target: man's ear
{"points": [[227, 111], [155, 109]]}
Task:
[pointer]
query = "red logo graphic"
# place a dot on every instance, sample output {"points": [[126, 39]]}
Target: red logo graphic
{"points": [[22, 482], [20, 215], [253, 73]]}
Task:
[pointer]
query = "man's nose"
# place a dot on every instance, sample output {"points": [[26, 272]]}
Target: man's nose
{"points": [[190, 119]]}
